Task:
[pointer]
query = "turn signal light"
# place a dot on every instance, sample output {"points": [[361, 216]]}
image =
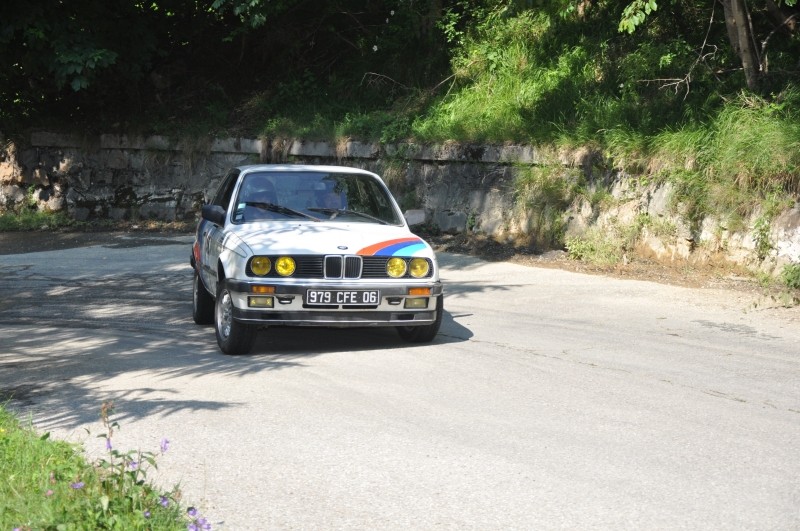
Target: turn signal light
{"points": [[420, 291], [257, 288]]}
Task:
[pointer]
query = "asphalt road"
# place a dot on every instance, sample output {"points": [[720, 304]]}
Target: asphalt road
{"points": [[550, 400]]}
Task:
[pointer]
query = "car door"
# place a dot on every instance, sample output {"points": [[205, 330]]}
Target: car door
{"points": [[212, 234]]}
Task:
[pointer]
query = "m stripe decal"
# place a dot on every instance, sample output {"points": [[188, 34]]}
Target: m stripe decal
{"points": [[393, 247]]}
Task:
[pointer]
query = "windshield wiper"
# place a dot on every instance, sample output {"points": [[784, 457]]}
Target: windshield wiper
{"points": [[337, 211], [280, 209]]}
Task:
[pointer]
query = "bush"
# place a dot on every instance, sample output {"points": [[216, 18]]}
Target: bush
{"points": [[791, 276]]}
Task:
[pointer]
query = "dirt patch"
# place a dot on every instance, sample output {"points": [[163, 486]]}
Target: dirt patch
{"points": [[707, 275]]}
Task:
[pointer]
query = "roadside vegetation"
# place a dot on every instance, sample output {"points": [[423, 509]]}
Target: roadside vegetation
{"points": [[29, 219], [48, 484], [666, 92]]}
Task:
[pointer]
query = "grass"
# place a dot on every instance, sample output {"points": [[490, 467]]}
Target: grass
{"points": [[606, 245], [542, 195], [48, 484], [27, 219]]}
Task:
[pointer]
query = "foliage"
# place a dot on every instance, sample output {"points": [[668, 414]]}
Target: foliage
{"points": [[150, 66], [635, 13], [743, 157], [762, 238], [518, 70], [790, 276], [49, 485], [29, 219]]}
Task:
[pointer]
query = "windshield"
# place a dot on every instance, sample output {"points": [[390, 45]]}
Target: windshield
{"points": [[313, 196]]}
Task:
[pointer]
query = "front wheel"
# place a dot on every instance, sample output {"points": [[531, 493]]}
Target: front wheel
{"points": [[233, 337], [424, 333]]}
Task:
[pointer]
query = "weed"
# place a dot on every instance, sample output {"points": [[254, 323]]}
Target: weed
{"points": [[594, 247], [606, 245], [660, 228], [28, 219], [762, 238], [790, 276], [472, 222], [49, 485]]}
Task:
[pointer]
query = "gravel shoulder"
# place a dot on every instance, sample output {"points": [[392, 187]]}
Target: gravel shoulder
{"points": [[128, 234]]}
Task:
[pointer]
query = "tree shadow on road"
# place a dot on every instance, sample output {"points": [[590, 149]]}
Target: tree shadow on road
{"points": [[58, 374]]}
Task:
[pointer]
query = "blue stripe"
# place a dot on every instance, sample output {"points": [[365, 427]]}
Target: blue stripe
{"points": [[405, 248]]}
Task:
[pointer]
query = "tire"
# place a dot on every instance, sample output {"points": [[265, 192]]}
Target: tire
{"points": [[233, 337], [202, 302], [424, 333]]}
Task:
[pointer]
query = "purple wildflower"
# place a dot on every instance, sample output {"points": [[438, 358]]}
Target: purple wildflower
{"points": [[164, 501], [164, 445], [133, 465], [191, 527], [203, 523], [191, 511], [77, 485], [146, 514], [108, 443]]}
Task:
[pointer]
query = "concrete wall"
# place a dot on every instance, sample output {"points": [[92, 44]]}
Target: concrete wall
{"points": [[460, 187]]}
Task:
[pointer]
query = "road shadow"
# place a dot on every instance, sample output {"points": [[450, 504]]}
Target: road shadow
{"points": [[56, 374], [70, 323], [292, 342]]}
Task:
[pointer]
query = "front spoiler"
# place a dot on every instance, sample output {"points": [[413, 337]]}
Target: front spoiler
{"points": [[337, 318]]}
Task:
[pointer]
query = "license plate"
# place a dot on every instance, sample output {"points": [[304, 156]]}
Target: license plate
{"points": [[350, 297]]}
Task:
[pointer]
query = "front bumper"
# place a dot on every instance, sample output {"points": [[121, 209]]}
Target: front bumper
{"points": [[290, 309]]}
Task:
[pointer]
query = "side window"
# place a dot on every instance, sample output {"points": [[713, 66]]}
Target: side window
{"points": [[225, 191]]}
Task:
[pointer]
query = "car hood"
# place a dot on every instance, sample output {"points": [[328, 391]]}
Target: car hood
{"points": [[366, 239]]}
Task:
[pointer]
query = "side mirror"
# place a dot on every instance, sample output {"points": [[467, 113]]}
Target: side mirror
{"points": [[414, 217], [213, 213]]}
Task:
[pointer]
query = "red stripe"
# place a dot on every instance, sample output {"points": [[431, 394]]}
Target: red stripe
{"points": [[372, 249]]}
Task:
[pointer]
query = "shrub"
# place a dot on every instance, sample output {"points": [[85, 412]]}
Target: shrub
{"points": [[791, 276]]}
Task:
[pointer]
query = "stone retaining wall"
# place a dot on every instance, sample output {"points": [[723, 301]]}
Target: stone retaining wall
{"points": [[460, 187]]}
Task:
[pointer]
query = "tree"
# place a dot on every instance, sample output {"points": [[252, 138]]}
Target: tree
{"points": [[743, 26], [740, 35]]}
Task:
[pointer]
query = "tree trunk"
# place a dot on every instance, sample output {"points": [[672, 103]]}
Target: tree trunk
{"points": [[740, 34]]}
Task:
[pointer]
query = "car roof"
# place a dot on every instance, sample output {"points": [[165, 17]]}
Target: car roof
{"points": [[302, 167]]}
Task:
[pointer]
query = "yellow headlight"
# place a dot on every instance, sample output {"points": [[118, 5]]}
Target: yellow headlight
{"points": [[396, 267], [285, 266], [419, 267], [260, 265]]}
